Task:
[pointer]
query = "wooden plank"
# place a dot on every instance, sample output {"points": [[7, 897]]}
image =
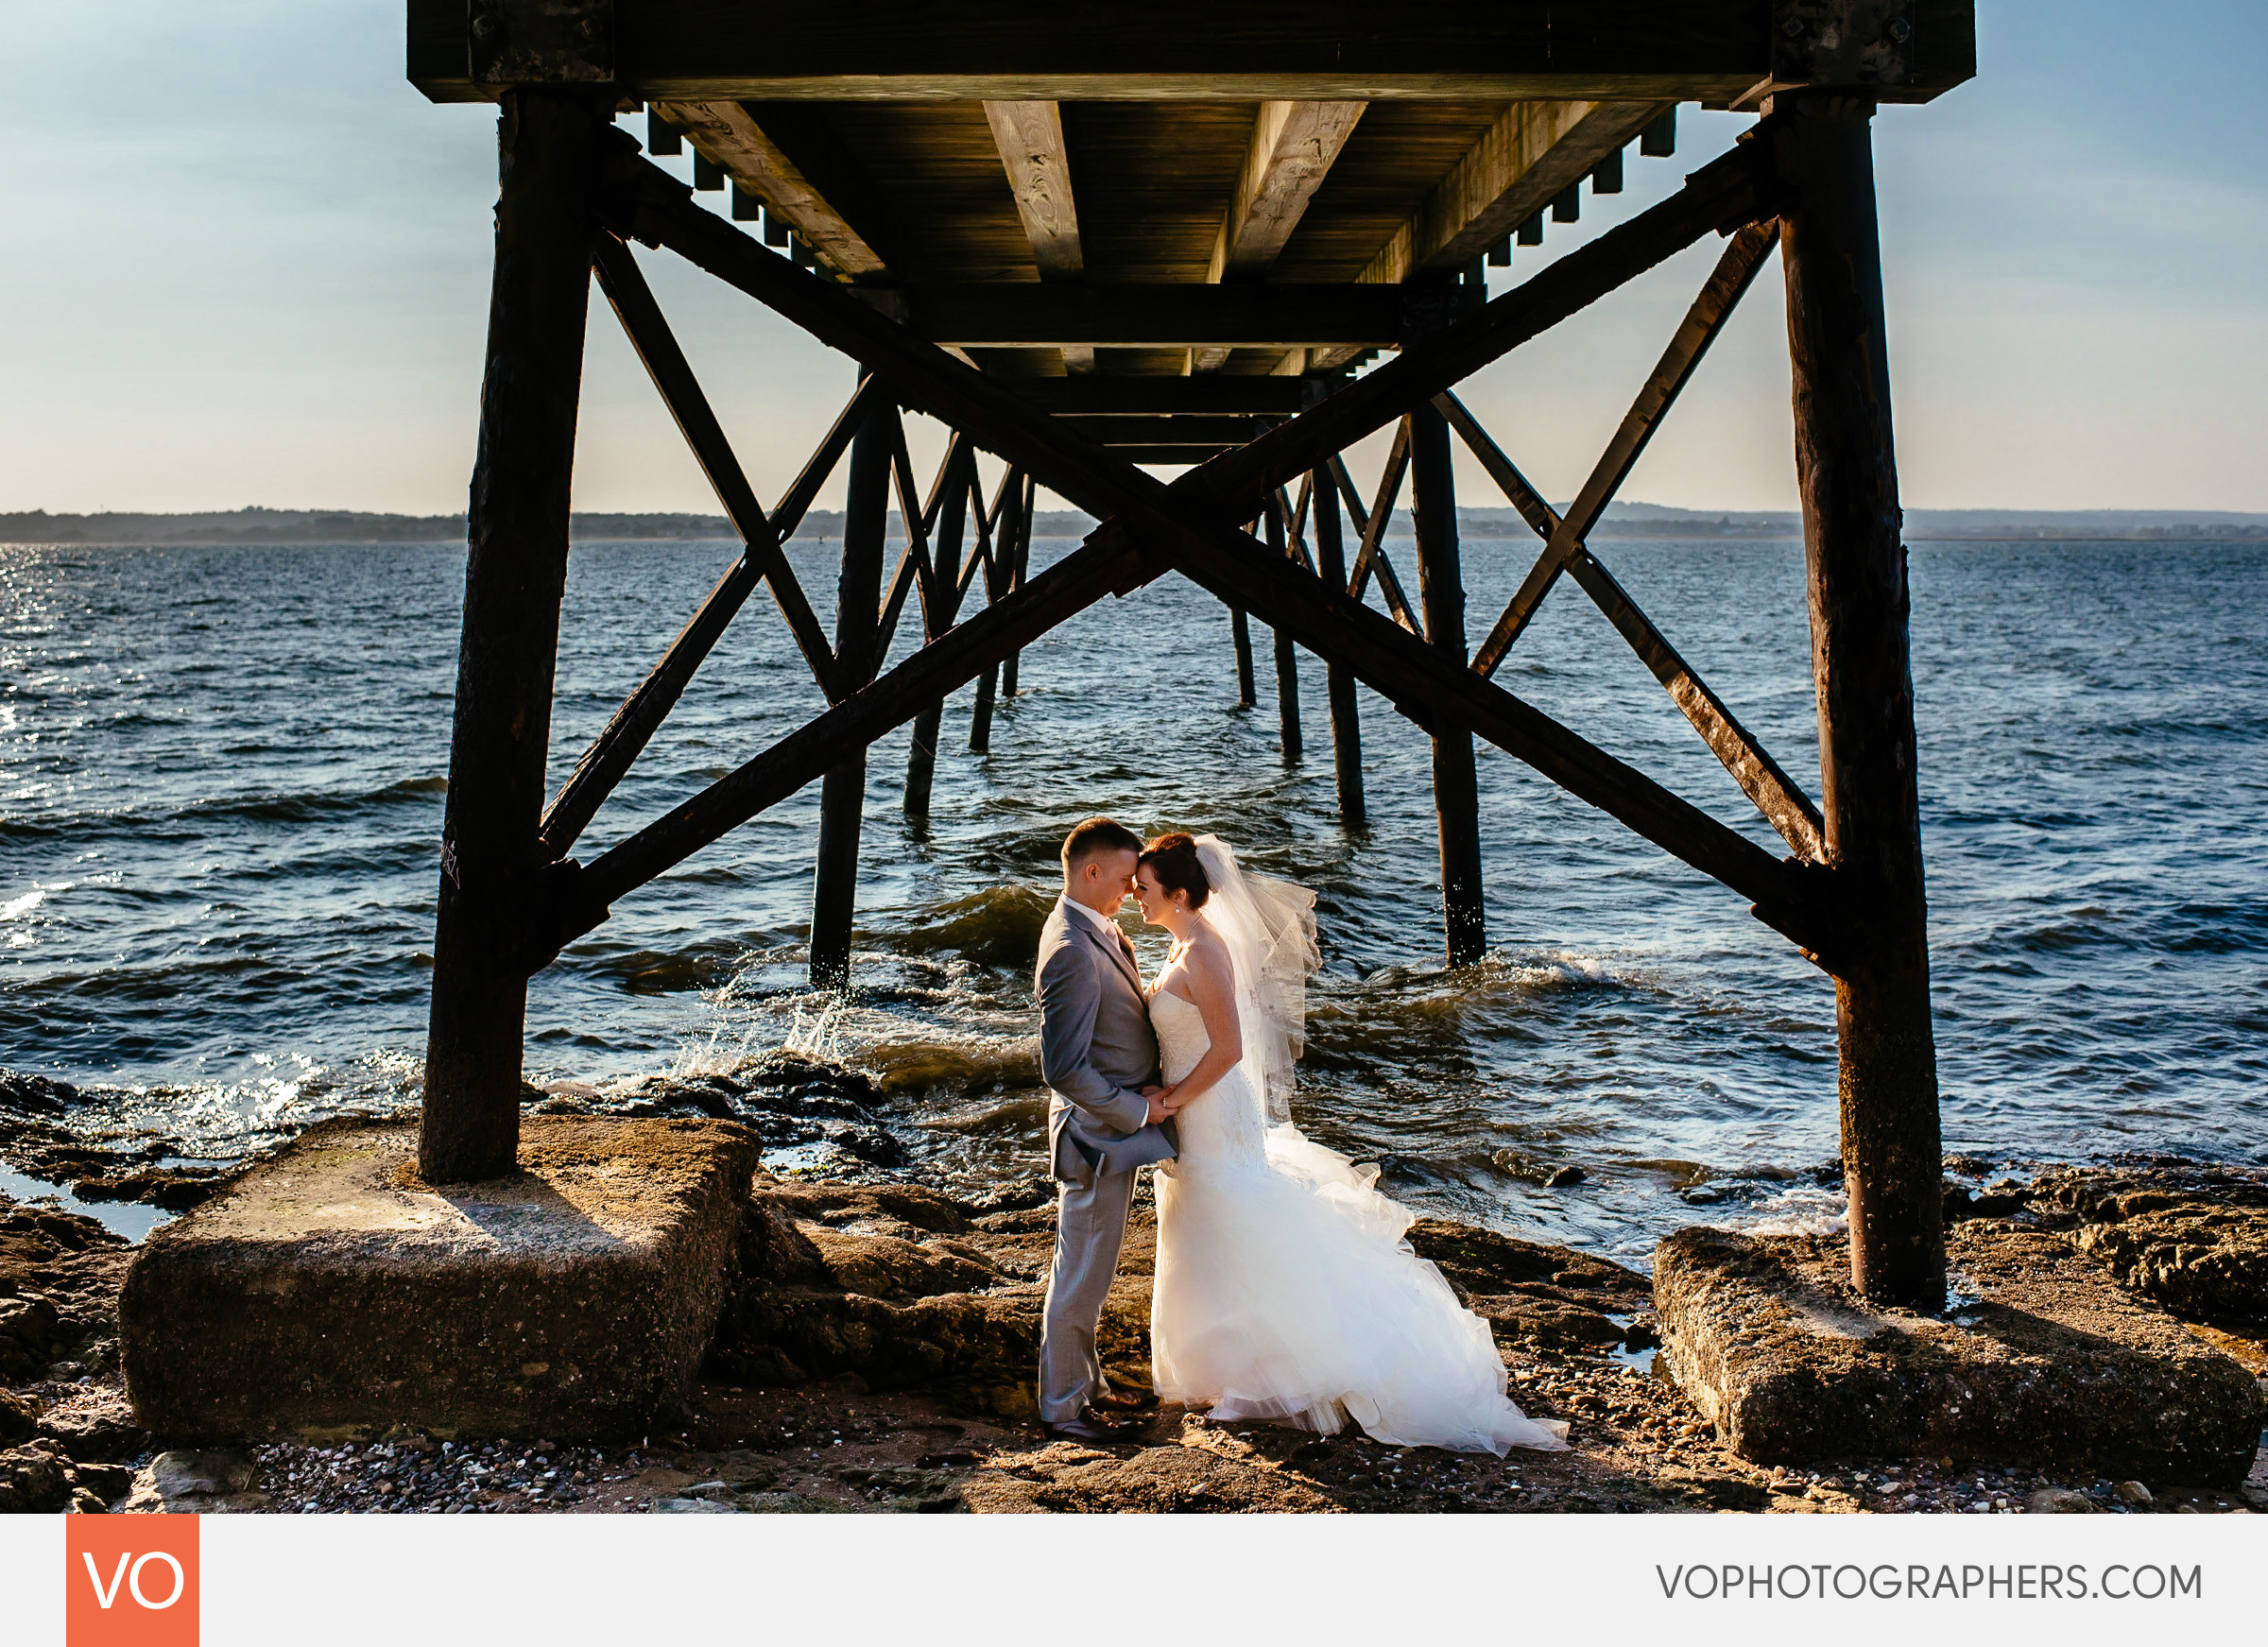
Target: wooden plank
{"points": [[642, 712], [650, 336], [1786, 807], [1534, 152], [1012, 314], [1347, 49], [1172, 431], [1293, 146], [728, 134], [616, 748], [1346, 716], [1736, 268], [1146, 397], [947, 512], [1174, 528], [1291, 151], [1777, 796], [1370, 557], [1030, 138], [914, 570], [1402, 668], [1357, 510], [1161, 528], [1541, 518], [1729, 193]]}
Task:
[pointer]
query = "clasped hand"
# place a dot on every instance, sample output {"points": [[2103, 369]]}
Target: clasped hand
{"points": [[1162, 1106]]}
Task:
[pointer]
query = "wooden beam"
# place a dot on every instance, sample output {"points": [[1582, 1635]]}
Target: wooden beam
{"points": [[1370, 557], [1184, 431], [1030, 139], [1293, 146], [1177, 527], [625, 734], [1786, 807], [728, 134], [1777, 796], [656, 345], [1730, 192], [1684, 50], [1022, 314], [1143, 396], [1420, 681], [1736, 268], [1346, 716], [633, 723], [1534, 152]]}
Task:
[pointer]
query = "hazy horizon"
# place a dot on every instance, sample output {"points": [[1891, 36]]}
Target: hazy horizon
{"points": [[263, 273]]}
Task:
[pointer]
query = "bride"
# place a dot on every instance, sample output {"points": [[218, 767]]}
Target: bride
{"points": [[1284, 1290]]}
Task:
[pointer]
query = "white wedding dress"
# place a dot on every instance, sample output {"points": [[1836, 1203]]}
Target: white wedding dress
{"points": [[1285, 1291]]}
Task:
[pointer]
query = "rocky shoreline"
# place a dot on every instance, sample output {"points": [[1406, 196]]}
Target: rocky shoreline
{"points": [[875, 1356]]}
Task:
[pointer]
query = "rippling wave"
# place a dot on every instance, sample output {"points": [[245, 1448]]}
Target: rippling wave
{"points": [[219, 804]]}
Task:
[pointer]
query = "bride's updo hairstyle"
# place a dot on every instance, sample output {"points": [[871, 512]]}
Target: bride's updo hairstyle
{"points": [[1173, 861]]}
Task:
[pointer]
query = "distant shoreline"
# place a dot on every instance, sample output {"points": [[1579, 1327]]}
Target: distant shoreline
{"points": [[1623, 523]]}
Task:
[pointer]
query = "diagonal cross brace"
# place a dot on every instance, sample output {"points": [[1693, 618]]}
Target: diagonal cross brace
{"points": [[1732, 276], [1179, 528], [1777, 797]]}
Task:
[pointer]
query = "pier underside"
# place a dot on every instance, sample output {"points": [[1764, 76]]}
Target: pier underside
{"points": [[1089, 248]]}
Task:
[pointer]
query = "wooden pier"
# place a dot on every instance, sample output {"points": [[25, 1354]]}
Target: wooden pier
{"points": [[1090, 238]]}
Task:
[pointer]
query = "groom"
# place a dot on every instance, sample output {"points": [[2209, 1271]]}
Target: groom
{"points": [[1099, 1058]]}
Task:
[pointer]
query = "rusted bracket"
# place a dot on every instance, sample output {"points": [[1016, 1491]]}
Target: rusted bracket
{"points": [[1855, 45], [541, 42]]}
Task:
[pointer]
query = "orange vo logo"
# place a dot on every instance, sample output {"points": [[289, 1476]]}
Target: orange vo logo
{"points": [[130, 1581]]}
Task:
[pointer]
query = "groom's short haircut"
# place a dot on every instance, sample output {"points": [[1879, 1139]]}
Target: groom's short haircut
{"points": [[1096, 835]]}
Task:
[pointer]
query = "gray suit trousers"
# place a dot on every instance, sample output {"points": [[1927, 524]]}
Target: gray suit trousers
{"points": [[1091, 1227]]}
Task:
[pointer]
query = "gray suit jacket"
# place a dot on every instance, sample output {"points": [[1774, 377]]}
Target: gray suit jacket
{"points": [[1096, 1052]]}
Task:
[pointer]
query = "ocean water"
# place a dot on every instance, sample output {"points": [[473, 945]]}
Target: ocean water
{"points": [[221, 776]]}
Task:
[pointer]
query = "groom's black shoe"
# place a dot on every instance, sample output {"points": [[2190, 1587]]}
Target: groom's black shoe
{"points": [[1111, 1402], [1090, 1427]]}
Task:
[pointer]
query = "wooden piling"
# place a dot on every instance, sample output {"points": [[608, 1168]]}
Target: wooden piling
{"points": [[1287, 659], [1240, 638], [938, 612], [1013, 530], [1018, 565], [843, 791], [1847, 474], [1441, 593], [1345, 719], [485, 943]]}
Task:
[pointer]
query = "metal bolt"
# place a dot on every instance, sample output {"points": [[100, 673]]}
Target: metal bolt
{"points": [[1899, 28], [1794, 28], [589, 27], [486, 26]]}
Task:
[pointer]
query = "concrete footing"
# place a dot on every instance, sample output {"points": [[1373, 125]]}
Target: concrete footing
{"points": [[2045, 1361], [331, 1290]]}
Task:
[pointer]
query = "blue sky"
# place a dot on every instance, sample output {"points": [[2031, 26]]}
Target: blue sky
{"points": [[247, 263]]}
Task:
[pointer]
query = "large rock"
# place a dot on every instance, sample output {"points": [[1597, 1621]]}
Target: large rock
{"points": [[2193, 1237], [2055, 1368], [332, 1289], [1533, 1294], [914, 1290], [906, 1288]]}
